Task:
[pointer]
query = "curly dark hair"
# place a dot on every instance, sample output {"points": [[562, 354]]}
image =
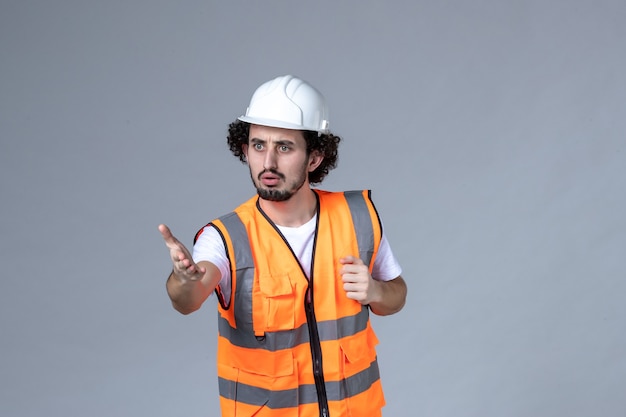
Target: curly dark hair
{"points": [[326, 144]]}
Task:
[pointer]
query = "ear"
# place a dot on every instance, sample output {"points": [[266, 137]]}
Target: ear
{"points": [[244, 149], [315, 159]]}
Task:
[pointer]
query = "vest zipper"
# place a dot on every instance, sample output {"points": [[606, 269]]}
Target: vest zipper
{"points": [[314, 337], [316, 355]]}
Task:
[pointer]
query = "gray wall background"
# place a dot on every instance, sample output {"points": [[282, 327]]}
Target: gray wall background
{"points": [[492, 135]]}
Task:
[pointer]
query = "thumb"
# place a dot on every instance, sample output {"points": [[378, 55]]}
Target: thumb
{"points": [[165, 232], [170, 240]]}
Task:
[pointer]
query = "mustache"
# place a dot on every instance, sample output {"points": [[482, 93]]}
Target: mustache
{"points": [[271, 171]]}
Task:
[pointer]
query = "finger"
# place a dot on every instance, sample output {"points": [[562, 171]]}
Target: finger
{"points": [[192, 270], [355, 295], [183, 262], [356, 268], [354, 277], [185, 265], [164, 229], [171, 242], [352, 287], [166, 233], [346, 260]]}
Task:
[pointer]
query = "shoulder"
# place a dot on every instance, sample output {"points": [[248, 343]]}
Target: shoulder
{"points": [[343, 195], [243, 210]]}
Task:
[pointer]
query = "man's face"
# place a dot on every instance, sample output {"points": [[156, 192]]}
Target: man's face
{"points": [[278, 161]]}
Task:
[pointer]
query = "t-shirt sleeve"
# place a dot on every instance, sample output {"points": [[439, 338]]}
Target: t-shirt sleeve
{"points": [[386, 266], [210, 247]]}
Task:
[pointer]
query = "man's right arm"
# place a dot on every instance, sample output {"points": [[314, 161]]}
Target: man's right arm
{"points": [[189, 284]]}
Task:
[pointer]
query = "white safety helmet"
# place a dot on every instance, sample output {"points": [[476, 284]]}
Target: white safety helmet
{"points": [[288, 102]]}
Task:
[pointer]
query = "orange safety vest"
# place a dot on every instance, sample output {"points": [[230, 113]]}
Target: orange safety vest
{"points": [[292, 346]]}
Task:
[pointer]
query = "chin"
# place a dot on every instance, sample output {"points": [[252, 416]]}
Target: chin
{"points": [[273, 194]]}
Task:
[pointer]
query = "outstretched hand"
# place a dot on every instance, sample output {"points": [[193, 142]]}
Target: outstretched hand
{"points": [[184, 266], [357, 281]]}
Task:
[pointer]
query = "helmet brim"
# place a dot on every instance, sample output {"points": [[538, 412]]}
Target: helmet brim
{"points": [[279, 124]]}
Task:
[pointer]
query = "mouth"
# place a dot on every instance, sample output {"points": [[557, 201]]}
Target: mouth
{"points": [[270, 179]]}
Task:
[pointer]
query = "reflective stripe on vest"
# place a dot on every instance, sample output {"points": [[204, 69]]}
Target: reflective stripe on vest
{"points": [[304, 394], [244, 272], [284, 339], [362, 225]]}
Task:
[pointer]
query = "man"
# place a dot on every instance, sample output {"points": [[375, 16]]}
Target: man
{"points": [[295, 270]]}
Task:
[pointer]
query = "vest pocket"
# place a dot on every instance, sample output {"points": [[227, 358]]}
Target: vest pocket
{"points": [[259, 387], [358, 352], [278, 302], [361, 375]]}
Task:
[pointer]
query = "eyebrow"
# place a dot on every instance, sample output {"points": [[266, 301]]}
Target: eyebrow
{"points": [[278, 142]]}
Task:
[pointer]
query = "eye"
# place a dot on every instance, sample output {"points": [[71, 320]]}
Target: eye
{"points": [[257, 146], [284, 148]]}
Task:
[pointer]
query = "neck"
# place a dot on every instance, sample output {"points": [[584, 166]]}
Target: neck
{"points": [[296, 211]]}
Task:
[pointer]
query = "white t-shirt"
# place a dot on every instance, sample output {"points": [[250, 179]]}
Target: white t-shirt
{"points": [[210, 247]]}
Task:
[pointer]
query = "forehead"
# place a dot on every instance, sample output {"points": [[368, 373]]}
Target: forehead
{"points": [[268, 133]]}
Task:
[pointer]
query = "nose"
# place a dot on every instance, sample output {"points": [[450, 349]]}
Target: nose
{"points": [[270, 159]]}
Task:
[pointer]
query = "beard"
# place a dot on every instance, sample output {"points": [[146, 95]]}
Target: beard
{"points": [[274, 194]]}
